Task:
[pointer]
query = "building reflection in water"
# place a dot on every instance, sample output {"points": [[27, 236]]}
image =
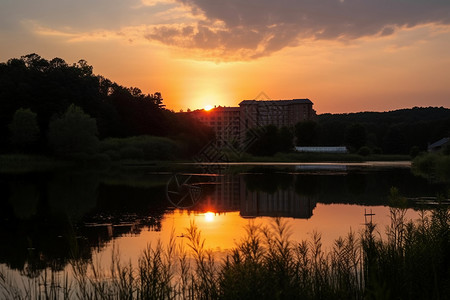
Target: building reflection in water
{"points": [[44, 218], [252, 195], [231, 193]]}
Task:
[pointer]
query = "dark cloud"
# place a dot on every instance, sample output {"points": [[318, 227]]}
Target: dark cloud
{"points": [[254, 28], [79, 15]]}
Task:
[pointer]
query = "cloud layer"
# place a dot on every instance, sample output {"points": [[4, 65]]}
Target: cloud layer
{"points": [[222, 29], [253, 28]]}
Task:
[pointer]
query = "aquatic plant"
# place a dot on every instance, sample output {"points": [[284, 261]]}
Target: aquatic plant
{"points": [[412, 261]]}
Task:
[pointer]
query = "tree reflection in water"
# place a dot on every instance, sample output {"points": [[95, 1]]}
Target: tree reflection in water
{"points": [[46, 219]]}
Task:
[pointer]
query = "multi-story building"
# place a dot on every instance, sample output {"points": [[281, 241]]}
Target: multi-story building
{"points": [[254, 113], [276, 112], [231, 123], [225, 121]]}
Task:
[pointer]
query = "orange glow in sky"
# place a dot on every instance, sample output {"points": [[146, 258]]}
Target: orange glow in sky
{"points": [[369, 56], [209, 216]]}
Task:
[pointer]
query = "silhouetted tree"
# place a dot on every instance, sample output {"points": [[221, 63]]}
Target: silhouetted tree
{"points": [[306, 133], [24, 129], [285, 139], [394, 142], [74, 132], [50, 87], [355, 136], [271, 140], [158, 99]]}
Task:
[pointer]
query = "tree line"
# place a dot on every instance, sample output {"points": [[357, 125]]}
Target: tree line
{"points": [[50, 106], [404, 131], [41, 101]]}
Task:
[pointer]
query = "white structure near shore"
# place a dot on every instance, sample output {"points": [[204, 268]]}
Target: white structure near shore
{"points": [[339, 149]]}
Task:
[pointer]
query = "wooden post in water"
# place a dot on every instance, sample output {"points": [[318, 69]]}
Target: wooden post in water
{"points": [[367, 214]]}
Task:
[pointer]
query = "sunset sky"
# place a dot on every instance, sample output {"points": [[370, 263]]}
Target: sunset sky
{"points": [[344, 55]]}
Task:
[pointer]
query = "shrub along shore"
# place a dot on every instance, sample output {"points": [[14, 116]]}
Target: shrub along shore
{"points": [[434, 166]]}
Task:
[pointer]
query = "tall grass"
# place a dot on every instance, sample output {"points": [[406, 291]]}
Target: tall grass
{"points": [[412, 261]]}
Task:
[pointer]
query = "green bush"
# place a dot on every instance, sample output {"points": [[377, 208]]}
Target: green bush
{"points": [[24, 129], [377, 150], [446, 150], [112, 154], [130, 152], [443, 168], [432, 165], [101, 158], [140, 147], [425, 163], [364, 151], [414, 151], [74, 132]]}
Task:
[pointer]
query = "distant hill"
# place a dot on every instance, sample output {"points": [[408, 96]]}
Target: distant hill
{"points": [[395, 131], [409, 115]]}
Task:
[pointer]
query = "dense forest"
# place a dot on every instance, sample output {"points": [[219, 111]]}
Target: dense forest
{"points": [[405, 131], [393, 132], [41, 100]]}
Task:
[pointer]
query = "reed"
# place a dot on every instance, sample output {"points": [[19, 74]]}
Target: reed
{"points": [[412, 261]]}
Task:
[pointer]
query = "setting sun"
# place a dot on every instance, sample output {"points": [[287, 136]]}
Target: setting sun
{"points": [[209, 216], [208, 107]]}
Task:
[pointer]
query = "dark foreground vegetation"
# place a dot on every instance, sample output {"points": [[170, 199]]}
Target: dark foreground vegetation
{"points": [[410, 260]]}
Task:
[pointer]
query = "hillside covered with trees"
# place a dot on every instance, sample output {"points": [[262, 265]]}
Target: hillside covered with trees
{"points": [[394, 132], [41, 101], [405, 131]]}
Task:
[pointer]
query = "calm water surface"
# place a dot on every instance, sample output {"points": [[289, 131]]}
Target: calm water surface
{"points": [[45, 216]]}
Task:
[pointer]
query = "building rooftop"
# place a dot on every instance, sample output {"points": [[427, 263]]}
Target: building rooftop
{"points": [[216, 109], [226, 108], [439, 143], [280, 102]]}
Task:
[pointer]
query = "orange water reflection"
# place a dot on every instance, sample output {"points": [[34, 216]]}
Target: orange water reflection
{"points": [[222, 231]]}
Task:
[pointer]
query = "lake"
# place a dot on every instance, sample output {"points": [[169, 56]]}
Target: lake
{"points": [[47, 216]]}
